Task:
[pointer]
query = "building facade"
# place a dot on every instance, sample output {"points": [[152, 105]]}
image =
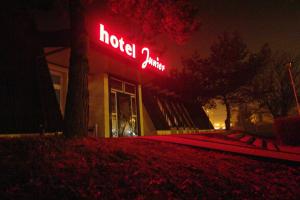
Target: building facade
{"points": [[125, 101]]}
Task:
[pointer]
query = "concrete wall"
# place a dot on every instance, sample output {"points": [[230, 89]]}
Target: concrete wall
{"points": [[149, 128], [97, 103]]}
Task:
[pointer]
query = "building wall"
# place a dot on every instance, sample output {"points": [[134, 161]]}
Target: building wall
{"points": [[149, 128], [98, 104]]}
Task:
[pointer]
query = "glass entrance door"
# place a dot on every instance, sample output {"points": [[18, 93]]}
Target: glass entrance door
{"points": [[123, 109], [126, 123]]}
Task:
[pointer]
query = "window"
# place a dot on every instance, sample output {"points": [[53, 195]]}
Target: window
{"points": [[163, 111], [57, 93], [59, 77], [116, 84], [133, 105], [58, 87], [129, 88], [113, 102]]}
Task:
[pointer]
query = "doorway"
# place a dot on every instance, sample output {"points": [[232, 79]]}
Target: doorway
{"points": [[123, 115]]}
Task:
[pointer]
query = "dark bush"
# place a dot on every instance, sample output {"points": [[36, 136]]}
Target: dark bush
{"points": [[287, 130]]}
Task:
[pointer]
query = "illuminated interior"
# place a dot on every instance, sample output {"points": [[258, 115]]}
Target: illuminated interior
{"points": [[123, 108]]}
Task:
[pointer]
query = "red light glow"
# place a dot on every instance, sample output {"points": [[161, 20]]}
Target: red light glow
{"points": [[151, 61], [129, 49]]}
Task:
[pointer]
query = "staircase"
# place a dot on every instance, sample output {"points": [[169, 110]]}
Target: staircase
{"points": [[253, 140]]}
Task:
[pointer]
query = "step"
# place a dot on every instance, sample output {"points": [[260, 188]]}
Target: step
{"points": [[277, 147], [245, 138], [264, 143], [258, 142], [271, 146], [250, 140], [234, 135]]}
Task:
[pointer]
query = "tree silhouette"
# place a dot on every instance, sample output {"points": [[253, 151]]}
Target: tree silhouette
{"points": [[221, 75], [271, 87]]}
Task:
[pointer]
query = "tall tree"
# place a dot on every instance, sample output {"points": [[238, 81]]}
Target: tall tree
{"points": [[77, 108], [228, 67], [271, 87]]}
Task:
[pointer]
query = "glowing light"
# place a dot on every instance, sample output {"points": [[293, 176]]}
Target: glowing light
{"points": [[116, 43], [219, 126], [151, 61], [129, 49]]}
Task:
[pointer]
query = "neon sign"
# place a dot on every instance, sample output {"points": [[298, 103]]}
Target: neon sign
{"points": [[129, 49]]}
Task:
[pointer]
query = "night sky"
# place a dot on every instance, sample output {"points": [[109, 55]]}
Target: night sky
{"points": [[276, 22]]}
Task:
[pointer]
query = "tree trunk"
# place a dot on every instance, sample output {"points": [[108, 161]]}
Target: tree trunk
{"points": [[77, 105], [228, 113]]}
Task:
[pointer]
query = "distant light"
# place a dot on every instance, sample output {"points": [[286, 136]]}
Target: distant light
{"points": [[219, 126]]}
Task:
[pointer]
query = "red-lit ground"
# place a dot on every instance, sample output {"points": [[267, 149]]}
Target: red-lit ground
{"points": [[136, 169]]}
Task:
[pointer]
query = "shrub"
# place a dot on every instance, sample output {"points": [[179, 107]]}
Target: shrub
{"points": [[287, 130]]}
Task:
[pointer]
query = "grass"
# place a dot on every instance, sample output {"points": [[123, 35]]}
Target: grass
{"points": [[134, 168]]}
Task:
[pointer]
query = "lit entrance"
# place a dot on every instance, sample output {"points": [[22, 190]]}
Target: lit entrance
{"points": [[123, 108]]}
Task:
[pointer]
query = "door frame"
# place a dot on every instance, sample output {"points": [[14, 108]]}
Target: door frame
{"points": [[116, 91]]}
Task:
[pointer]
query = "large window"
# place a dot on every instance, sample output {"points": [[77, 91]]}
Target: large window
{"points": [[174, 113]]}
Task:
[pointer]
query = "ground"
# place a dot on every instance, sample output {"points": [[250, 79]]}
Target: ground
{"points": [[135, 168]]}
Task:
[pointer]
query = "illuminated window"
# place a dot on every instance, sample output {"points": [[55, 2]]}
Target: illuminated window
{"points": [[114, 126], [58, 87]]}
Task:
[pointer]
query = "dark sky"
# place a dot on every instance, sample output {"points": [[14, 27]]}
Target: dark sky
{"points": [[258, 21]]}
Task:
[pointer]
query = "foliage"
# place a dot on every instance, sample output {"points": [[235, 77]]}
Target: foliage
{"points": [[176, 18], [244, 118], [271, 87], [222, 72], [287, 130]]}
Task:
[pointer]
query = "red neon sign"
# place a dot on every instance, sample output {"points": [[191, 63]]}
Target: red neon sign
{"points": [[129, 49]]}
